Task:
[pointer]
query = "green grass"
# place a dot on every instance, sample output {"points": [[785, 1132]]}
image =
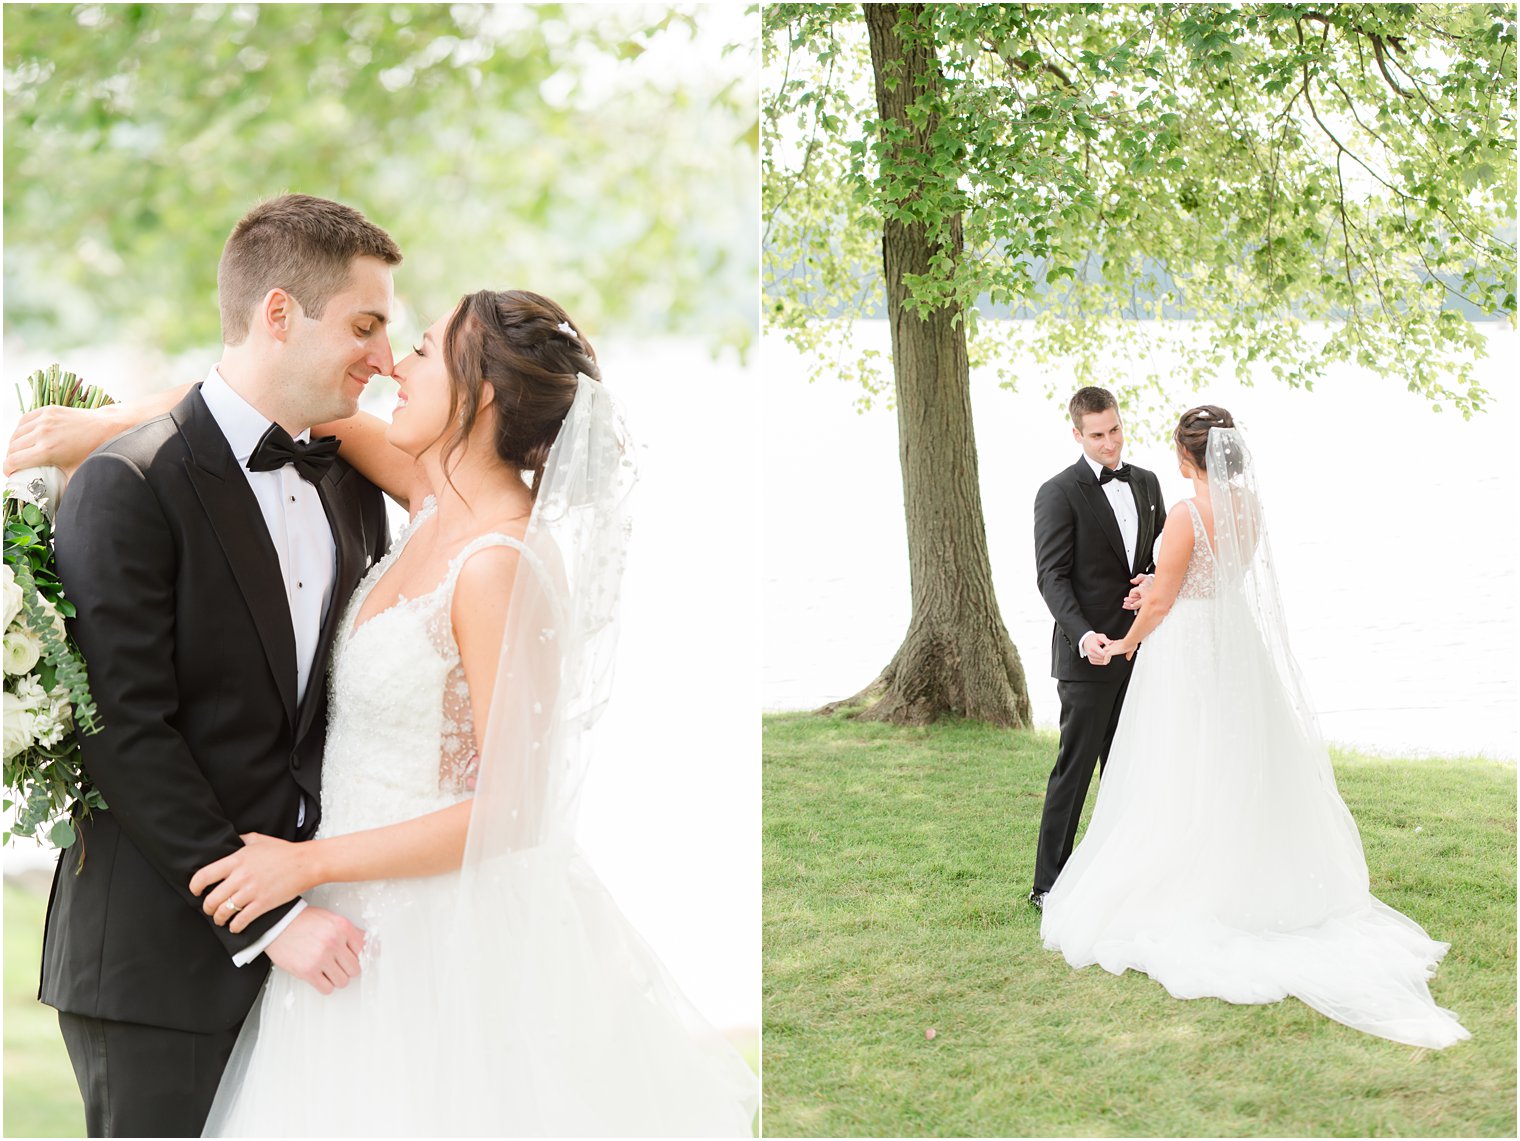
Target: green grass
{"points": [[897, 862], [41, 1097]]}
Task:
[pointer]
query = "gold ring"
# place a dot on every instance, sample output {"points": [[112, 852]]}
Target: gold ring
{"points": [[233, 906]]}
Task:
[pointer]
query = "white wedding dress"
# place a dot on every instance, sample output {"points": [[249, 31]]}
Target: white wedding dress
{"points": [[542, 1015], [1220, 859]]}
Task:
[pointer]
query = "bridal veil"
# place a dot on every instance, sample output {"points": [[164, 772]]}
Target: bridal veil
{"points": [[1220, 859], [567, 1022]]}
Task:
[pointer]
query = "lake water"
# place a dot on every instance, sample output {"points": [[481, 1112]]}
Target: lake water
{"points": [[671, 813], [1395, 530]]}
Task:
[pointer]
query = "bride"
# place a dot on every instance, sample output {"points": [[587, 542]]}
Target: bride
{"points": [[1220, 860], [502, 992]]}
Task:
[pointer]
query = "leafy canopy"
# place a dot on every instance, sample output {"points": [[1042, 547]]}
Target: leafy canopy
{"points": [[1261, 169], [604, 156]]}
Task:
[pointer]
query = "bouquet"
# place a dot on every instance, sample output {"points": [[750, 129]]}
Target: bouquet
{"points": [[47, 692]]}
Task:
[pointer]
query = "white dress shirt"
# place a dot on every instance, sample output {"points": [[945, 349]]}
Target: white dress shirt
{"points": [[1121, 497], [303, 542]]}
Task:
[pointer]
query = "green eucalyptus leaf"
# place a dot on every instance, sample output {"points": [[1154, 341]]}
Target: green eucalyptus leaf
{"points": [[62, 834]]}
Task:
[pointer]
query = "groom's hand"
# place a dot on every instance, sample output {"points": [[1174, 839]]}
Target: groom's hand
{"points": [[320, 947], [1096, 646]]}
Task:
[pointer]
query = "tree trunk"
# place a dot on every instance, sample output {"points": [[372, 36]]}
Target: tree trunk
{"points": [[957, 657]]}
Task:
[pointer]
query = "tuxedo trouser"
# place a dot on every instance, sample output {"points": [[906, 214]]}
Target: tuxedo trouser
{"points": [[144, 1081], [1089, 716]]}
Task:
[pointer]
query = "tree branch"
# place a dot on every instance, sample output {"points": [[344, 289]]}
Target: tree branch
{"points": [[1377, 54], [807, 154], [1380, 43]]}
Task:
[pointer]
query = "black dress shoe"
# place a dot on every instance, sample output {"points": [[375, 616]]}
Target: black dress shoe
{"points": [[1038, 899]]}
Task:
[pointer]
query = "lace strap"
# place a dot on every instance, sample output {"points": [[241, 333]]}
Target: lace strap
{"points": [[1197, 518], [411, 525], [1200, 532], [402, 537], [386, 561], [477, 544]]}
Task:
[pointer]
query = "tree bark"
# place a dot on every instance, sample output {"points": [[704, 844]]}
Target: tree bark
{"points": [[957, 657]]}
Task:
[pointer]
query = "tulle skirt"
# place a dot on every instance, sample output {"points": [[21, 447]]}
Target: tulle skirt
{"points": [[1220, 859], [536, 1011]]}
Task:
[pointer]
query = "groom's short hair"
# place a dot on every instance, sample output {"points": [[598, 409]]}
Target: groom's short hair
{"points": [[303, 245], [1090, 399]]}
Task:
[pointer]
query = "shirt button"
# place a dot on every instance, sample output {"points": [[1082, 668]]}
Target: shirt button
{"points": [[300, 586], [292, 498]]}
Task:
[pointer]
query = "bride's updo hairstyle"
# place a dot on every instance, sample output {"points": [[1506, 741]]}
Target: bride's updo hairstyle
{"points": [[1192, 434], [529, 351]]}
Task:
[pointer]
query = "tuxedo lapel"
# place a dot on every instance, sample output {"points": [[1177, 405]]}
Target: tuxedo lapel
{"points": [[1103, 511], [234, 516], [1147, 530], [350, 557]]}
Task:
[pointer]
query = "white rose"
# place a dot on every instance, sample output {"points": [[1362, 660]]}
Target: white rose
{"points": [[22, 650], [12, 598], [18, 726]]}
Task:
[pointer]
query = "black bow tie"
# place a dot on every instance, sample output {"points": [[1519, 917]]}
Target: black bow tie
{"points": [[1109, 473], [275, 449]]}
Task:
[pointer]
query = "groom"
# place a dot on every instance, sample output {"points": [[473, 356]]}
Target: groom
{"points": [[1095, 525], [210, 556]]}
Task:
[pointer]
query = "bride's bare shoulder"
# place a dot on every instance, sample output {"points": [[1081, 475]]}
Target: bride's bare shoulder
{"points": [[1180, 516], [482, 592], [1177, 532], [485, 569]]}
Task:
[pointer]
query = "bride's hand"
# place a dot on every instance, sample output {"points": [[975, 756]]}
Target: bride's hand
{"points": [[1141, 587], [60, 437], [1122, 646], [258, 877]]}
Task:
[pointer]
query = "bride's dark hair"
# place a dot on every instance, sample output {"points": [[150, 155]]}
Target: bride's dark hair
{"points": [[1192, 434], [529, 351]]}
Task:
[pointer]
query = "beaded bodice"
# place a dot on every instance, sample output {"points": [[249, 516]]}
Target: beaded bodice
{"points": [[401, 735], [1198, 580]]}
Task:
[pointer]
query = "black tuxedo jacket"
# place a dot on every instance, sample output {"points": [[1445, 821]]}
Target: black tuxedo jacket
{"points": [[185, 630], [1080, 564]]}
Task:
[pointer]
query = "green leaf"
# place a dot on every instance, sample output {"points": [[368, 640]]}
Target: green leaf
{"points": [[62, 834]]}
